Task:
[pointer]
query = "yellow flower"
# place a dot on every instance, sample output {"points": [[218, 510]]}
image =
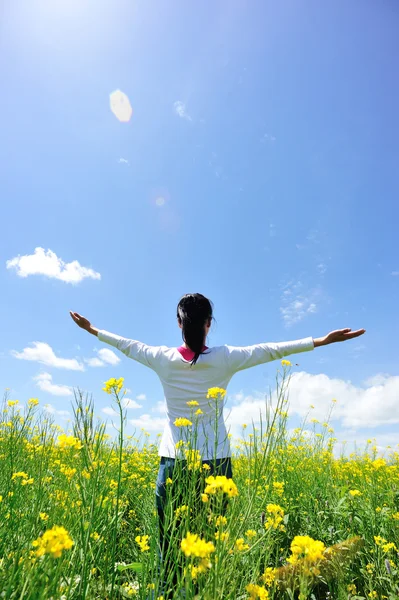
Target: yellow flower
{"points": [[278, 487], [240, 546], [286, 363], [53, 542], [168, 481], [250, 533], [142, 541], [221, 520], [304, 547], [193, 458], [33, 402], [193, 545], [201, 568], [69, 441], [43, 516], [204, 497], [389, 546], [199, 412], [19, 474], [257, 591], [221, 535], [351, 588], [181, 509], [379, 540], [354, 493], [12, 402], [276, 513], [113, 385], [182, 422], [222, 484], [192, 403], [215, 392], [269, 576], [372, 594]]}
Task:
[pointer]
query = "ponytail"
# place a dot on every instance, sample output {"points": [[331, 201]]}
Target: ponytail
{"points": [[193, 312]]}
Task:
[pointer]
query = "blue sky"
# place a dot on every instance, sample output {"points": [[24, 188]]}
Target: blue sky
{"points": [[269, 132]]}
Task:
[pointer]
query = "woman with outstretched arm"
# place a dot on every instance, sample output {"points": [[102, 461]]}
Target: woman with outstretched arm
{"points": [[188, 371]]}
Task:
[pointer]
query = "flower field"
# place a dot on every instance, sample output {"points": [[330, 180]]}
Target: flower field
{"points": [[79, 520]]}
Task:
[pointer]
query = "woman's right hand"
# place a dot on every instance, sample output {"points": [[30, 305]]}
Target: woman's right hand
{"points": [[83, 323], [339, 335]]}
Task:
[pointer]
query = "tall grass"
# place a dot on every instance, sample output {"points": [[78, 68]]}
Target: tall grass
{"points": [[100, 493]]}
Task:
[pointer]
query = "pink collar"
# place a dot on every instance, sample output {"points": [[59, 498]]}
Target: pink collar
{"points": [[188, 354]]}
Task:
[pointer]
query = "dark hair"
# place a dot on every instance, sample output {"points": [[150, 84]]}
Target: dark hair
{"points": [[193, 312]]}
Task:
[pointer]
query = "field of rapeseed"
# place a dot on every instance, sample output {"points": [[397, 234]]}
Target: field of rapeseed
{"points": [[78, 516]]}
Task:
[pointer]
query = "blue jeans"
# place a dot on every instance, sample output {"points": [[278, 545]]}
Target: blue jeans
{"points": [[220, 466]]}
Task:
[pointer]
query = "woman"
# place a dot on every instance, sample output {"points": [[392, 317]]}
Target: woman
{"points": [[186, 374]]}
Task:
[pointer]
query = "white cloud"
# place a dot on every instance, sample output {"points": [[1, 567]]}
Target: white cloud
{"points": [[369, 406], [180, 110], [123, 161], [47, 263], [108, 410], [129, 403], [141, 397], [268, 137], [160, 407], [106, 357], [149, 423], [53, 411], [44, 381], [94, 362], [395, 273], [322, 268], [297, 302], [43, 353]]}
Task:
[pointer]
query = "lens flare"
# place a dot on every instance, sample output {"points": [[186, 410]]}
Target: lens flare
{"points": [[120, 106]]}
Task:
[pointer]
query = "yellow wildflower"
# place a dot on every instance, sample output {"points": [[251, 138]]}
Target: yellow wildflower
{"points": [[221, 520], [351, 588], [53, 542], [182, 422], [142, 541], [269, 576], [192, 403], [193, 545], [257, 591], [286, 363], [240, 545], [250, 533], [33, 402], [69, 441], [113, 385], [221, 483], [215, 392], [304, 547], [276, 513], [354, 493]]}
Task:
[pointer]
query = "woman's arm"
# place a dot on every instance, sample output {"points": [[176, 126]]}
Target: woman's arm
{"points": [[151, 356], [239, 358], [339, 335], [83, 323]]}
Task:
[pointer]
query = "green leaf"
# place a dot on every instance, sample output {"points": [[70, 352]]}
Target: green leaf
{"points": [[134, 566]]}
